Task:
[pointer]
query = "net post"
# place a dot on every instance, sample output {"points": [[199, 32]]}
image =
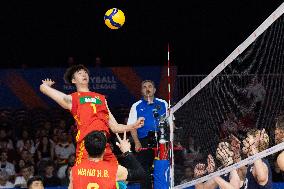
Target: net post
{"points": [[171, 156]]}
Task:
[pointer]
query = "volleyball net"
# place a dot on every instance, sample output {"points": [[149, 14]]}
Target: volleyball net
{"points": [[243, 94]]}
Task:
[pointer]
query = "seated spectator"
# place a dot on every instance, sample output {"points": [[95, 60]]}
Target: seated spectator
{"points": [[26, 174], [63, 149], [45, 149], [35, 182], [5, 165], [21, 142], [49, 178], [66, 180], [62, 126], [61, 173], [12, 154], [42, 132], [5, 142], [19, 165], [47, 127], [27, 157], [4, 180], [29, 146]]}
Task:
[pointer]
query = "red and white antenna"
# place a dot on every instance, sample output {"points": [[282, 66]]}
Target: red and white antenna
{"points": [[169, 78]]}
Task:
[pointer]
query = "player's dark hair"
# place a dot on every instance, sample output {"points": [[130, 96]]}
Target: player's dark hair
{"points": [[95, 143], [69, 73]]}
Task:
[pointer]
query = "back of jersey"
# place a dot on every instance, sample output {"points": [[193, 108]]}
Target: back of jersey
{"points": [[94, 175]]}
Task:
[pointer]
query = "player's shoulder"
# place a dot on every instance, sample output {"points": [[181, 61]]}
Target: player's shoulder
{"points": [[83, 164], [97, 94], [109, 163], [74, 93]]}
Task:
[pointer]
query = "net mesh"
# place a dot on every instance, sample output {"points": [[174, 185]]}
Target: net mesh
{"points": [[247, 95]]}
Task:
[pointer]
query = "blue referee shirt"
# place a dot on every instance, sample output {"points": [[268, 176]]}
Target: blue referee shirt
{"points": [[143, 109]]}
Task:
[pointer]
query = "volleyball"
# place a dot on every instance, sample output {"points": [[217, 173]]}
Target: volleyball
{"points": [[114, 18]]}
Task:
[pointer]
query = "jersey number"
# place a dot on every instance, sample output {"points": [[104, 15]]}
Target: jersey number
{"points": [[94, 108], [93, 186]]}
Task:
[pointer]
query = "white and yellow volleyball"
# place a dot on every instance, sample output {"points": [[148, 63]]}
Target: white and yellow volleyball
{"points": [[114, 18]]}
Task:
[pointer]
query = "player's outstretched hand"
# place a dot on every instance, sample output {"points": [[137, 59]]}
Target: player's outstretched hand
{"points": [[124, 144], [48, 82], [199, 170], [210, 164]]}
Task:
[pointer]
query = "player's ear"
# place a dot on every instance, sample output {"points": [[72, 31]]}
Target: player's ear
{"points": [[154, 90], [73, 80]]}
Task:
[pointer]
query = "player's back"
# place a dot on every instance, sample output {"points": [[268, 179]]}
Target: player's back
{"points": [[94, 175]]}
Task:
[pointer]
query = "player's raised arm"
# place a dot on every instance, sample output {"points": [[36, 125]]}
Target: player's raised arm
{"points": [[120, 128], [64, 100]]}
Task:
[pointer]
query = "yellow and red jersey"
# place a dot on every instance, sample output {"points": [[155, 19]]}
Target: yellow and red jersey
{"points": [[94, 175], [90, 111]]}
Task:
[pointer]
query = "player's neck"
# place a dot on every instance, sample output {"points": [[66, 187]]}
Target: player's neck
{"points": [[96, 159], [83, 89]]}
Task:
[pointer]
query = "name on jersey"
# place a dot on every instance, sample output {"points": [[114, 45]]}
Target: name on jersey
{"points": [[93, 173], [88, 99]]}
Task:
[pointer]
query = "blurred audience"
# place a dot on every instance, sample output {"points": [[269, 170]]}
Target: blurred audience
{"points": [[64, 148], [65, 181], [45, 138], [6, 166], [61, 173], [188, 175], [24, 141], [230, 125], [26, 174], [45, 149], [5, 142], [4, 180], [50, 179], [19, 165], [35, 182]]}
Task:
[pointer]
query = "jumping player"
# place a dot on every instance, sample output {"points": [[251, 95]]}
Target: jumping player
{"points": [[89, 109]]}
